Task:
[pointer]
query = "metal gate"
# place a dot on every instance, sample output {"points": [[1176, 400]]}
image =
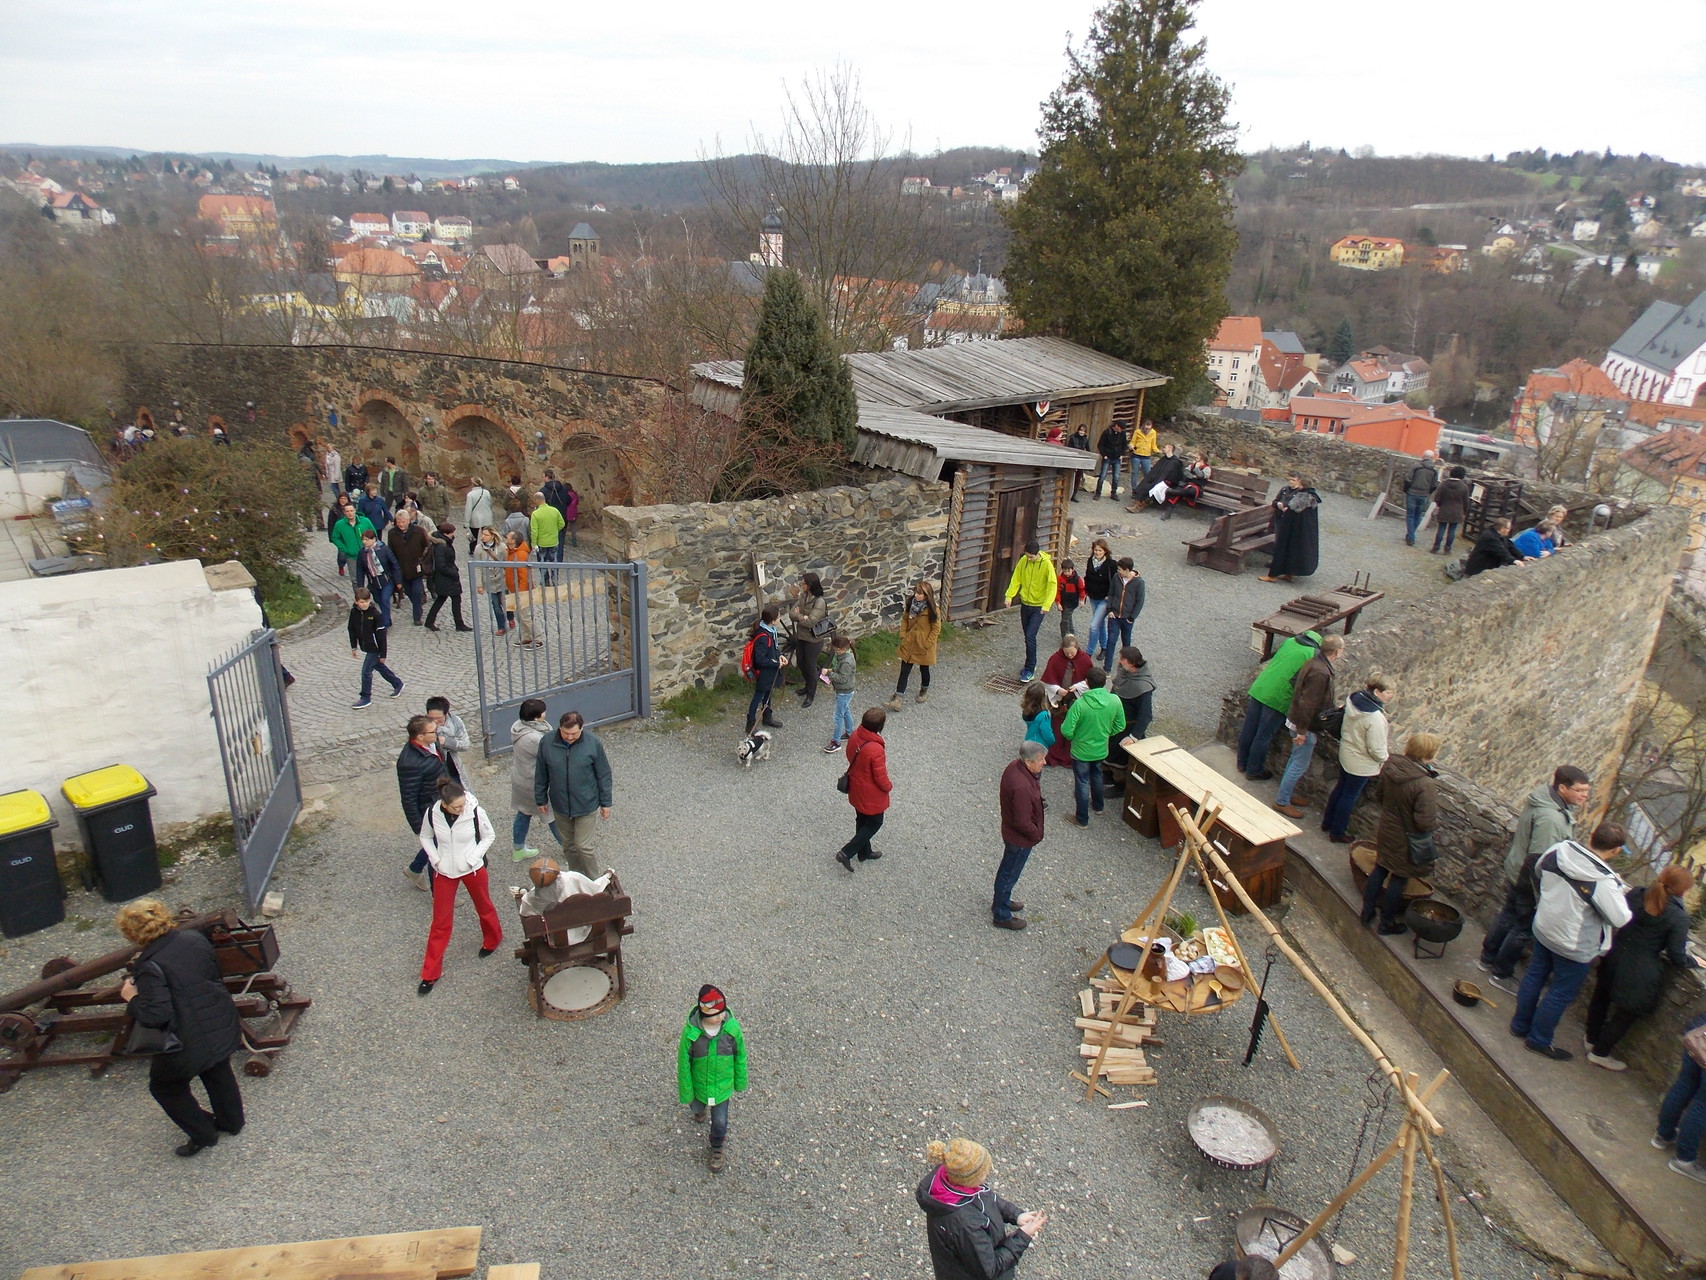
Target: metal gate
{"points": [[573, 635], [258, 754]]}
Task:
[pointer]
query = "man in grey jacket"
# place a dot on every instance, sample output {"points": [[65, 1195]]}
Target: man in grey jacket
{"points": [[1546, 819], [571, 780], [1581, 905]]}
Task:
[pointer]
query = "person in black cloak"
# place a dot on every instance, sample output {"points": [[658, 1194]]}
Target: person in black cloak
{"points": [[1297, 531]]}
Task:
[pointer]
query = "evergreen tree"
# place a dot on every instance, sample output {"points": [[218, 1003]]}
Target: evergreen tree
{"points": [[796, 384], [1343, 346], [1124, 239]]}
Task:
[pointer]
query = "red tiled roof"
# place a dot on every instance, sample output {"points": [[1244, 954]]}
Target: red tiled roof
{"points": [[1237, 333], [1367, 370], [1578, 377], [1378, 242], [1326, 405], [1669, 454], [218, 208], [377, 262]]}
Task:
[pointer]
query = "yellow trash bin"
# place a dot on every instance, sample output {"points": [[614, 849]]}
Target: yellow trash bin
{"points": [[118, 829], [31, 896]]}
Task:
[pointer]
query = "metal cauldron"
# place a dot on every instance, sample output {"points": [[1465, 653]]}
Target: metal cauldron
{"points": [[1433, 922]]}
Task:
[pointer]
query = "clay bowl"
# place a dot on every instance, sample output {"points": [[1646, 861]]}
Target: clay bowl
{"points": [[1469, 994], [1433, 921]]}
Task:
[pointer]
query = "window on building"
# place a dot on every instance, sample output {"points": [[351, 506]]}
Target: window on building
{"points": [[1235, 362]]}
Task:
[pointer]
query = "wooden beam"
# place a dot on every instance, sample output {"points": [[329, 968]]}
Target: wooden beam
{"points": [[514, 1271], [450, 1252]]}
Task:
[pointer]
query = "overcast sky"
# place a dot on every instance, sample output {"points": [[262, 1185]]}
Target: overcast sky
{"points": [[666, 79]]}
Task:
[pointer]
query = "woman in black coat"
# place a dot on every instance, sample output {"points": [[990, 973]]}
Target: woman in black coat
{"points": [[442, 579], [965, 1222], [1297, 531], [178, 989], [1631, 979]]}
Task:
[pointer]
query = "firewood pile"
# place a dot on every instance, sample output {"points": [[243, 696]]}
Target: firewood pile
{"points": [[1125, 1061]]}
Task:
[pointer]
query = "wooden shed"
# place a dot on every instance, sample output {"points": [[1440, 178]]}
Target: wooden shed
{"points": [[972, 416]]}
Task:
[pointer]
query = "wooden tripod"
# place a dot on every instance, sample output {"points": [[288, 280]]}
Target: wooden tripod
{"points": [[1417, 1129], [1149, 923]]}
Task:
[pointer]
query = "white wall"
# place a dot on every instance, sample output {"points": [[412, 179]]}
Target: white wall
{"points": [[24, 493], [111, 667]]}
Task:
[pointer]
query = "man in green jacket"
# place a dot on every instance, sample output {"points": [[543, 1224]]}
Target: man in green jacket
{"points": [[345, 534], [546, 526], [1096, 717], [1270, 699], [1036, 584], [1547, 819], [572, 786], [710, 1065]]}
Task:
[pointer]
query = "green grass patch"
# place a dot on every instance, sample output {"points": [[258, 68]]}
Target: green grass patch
{"points": [[877, 649], [209, 837], [702, 703], [286, 599]]}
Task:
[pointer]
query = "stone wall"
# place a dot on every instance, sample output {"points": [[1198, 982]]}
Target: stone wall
{"points": [[1520, 670], [868, 543], [1326, 461], [484, 414]]}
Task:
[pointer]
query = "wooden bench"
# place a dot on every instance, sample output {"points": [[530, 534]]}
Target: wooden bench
{"points": [[1232, 537], [1233, 491], [1316, 613]]}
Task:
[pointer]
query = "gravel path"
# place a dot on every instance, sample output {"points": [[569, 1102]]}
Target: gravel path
{"points": [[881, 1009]]}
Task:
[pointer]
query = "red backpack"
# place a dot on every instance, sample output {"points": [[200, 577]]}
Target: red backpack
{"points": [[747, 670]]}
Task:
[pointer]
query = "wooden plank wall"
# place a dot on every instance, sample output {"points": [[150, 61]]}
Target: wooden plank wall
{"points": [[970, 554]]}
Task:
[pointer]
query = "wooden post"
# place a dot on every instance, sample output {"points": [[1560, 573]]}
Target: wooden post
{"points": [[1406, 1198], [1444, 1202]]}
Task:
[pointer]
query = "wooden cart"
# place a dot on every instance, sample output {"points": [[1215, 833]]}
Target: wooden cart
{"points": [[547, 951]]}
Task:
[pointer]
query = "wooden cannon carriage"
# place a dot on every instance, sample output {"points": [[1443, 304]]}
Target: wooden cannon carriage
{"points": [[568, 981], [33, 1018]]}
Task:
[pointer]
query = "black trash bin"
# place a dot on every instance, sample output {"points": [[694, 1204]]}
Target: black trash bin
{"points": [[118, 830], [31, 896]]}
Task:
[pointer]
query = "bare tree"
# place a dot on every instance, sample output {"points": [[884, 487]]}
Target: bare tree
{"points": [[855, 240]]}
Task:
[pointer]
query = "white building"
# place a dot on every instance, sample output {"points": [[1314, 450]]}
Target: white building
{"points": [[453, 229], [1661, 358], [411, 223], [1585, 229], [369, 224], [1234, 357]]}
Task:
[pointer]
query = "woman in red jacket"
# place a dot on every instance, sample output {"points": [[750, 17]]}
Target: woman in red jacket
{"points": [[868, 786]]}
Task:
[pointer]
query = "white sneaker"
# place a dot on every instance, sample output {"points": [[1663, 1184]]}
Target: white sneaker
{"points": [[1660, 1144], [1608, 1062], [1508, 985], [1687, 1168]]}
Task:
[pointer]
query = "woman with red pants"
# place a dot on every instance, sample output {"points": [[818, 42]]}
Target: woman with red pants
{"points": [[455, 835]]}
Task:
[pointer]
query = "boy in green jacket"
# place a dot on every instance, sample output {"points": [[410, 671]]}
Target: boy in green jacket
{"points": [[710, 1066], [1270, 699], [1094, 719]]}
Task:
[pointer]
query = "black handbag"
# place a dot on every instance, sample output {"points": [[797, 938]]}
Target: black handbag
{"points": [[1330, 721], [144, 1042], [1421, 847], [844, 784]]}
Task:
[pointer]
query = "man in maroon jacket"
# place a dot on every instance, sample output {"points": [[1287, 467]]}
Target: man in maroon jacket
{"points": [[1021, 828]]}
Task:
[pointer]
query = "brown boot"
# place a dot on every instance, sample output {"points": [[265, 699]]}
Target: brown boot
{"points": [[716, 1159]]}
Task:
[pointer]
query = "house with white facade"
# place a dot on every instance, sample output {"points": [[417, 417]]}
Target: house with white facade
{"points": [[1585, 229], [1366, 379], [1662, 356], [453, 229], [1234, 360], [369, 224], [411, 223]]}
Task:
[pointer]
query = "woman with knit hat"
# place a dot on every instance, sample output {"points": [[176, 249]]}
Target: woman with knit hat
{"points": [[710, 1065], [963, 1218]]}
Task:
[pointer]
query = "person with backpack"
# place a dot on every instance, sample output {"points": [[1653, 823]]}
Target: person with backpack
{"points": [[1362, 752], [1069, 596], [965, 1223], [762, 663], [710, 1066], [1631, 978], [1580, 905], [455, 834], [1546, 819], [1418, 492], [442, 579], [1409, 807], [1268, 701], [867, 786]]}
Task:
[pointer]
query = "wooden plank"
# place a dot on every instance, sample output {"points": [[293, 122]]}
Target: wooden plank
{"points": [[514, 1271], [452, 1251], [1243, 814]]}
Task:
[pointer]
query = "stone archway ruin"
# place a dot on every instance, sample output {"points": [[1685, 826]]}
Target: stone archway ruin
{"points": [[382, 430], [596, 469], [475, 443]]}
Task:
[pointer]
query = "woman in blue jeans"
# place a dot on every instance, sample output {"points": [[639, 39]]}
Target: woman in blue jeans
{"points": [[1362, 752], [1098, 580], [1682, 1115]]}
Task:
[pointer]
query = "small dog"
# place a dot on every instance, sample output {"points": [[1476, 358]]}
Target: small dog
{"points": [[754, 747]]}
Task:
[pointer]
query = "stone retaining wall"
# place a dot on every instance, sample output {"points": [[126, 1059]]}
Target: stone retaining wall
{"points": [[1521, 670], [867, 542]]}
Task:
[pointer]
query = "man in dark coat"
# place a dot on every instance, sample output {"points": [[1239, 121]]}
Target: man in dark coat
{"points": [[1492, 550], [573, 787], [420, 764], [1451, 509], [1297, 532], [1021, 828], [1419, 487], [1311, 694], [1112, 445], [355, 476], [1080, 440], [408, 542], [179, 989]]}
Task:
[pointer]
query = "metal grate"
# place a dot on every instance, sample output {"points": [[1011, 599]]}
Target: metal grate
{"points": [[1001, 682]]}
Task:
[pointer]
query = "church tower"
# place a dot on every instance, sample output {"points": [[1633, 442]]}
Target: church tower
{"points": [[770, 239]]}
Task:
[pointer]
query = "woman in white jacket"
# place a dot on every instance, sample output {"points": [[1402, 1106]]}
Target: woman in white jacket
{"points": [[1362, 750], [455, 835]]}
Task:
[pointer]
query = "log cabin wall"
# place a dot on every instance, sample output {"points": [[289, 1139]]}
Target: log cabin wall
{"points": [[974, 568]]}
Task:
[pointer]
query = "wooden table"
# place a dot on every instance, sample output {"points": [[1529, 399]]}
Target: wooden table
{"points": [[1250, 835], [1315, 612]]}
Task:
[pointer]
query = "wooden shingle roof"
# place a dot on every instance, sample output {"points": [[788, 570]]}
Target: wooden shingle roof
{"points": [[979, 375]]}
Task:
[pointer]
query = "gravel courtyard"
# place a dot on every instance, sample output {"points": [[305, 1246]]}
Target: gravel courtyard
{"points": [[881, 1011]]}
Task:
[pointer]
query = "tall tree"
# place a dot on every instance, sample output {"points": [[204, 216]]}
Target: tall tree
{"points": [[797, 386], [1124, 239], [1343, 345]]}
